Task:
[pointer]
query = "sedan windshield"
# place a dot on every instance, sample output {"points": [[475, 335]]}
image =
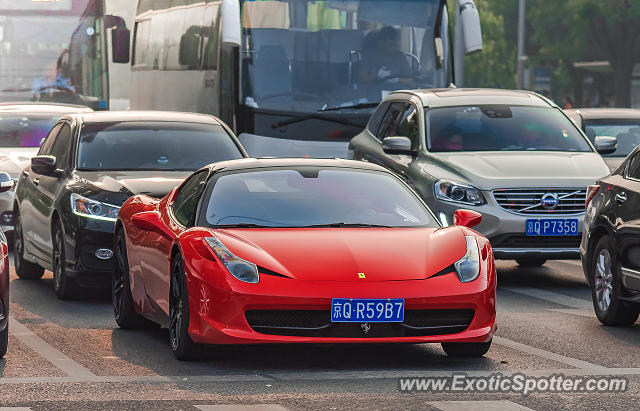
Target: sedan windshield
{"points": [[20, 130], [312, 197], [153, 146], [502, 128], [626, 131]]}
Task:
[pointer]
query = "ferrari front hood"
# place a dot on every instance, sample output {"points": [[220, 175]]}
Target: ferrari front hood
{"points": [[348, 254]]}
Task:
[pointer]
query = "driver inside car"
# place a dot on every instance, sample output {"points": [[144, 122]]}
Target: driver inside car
{"points": [[382, 60]]}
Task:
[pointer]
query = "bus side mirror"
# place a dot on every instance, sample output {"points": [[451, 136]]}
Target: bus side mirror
{"points": [[120, 45], [471, 30], [231, 23]]}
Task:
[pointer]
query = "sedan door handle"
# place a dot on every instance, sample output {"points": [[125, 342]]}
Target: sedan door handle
{"points": [[36, 181], [621, 198]]}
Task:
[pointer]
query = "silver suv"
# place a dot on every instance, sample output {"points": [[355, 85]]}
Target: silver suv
{"points": [[513, 156]]}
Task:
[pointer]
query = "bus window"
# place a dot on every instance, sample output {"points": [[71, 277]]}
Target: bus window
{"points": [[141, 43], [211, 36]]}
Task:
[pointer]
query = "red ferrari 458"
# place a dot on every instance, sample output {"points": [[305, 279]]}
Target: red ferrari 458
{"points": [[302, 251]]}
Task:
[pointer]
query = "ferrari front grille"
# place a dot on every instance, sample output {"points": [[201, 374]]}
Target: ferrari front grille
{"points": [[317, 323]]}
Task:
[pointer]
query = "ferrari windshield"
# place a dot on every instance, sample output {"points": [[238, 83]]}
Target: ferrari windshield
{"points": [[304, 55], [21, 130], [627, 132], [325, 197], [148, 145], [502, 128]]}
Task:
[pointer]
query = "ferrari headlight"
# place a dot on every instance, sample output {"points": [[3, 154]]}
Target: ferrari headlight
{"points": [[241, 269], [458, 193], [468, 267], [85, 207]]}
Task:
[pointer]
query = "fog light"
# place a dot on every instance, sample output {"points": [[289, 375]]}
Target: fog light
{"points": [[104, 254], [6, 218]]}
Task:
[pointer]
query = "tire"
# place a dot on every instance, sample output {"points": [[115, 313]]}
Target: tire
{"points": [[529, 262], [466, 350], [4, 341], [123, 308], [24, 269], [181, 343], [64, 287], [606, 287]]}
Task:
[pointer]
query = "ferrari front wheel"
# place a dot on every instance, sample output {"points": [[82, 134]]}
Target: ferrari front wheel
{"points": [[466, 350], [181, 343]]}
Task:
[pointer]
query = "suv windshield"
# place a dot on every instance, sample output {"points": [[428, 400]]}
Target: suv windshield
{"points": [[312, 197], [24, 130], [153, 146], [626, 131], [304, 55], [502, 128]]}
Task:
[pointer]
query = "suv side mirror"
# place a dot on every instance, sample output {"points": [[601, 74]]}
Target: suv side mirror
{"points": [[606, 145], [397, 145], [45, 165], [120, 45], [6, 183], [467, 218]]}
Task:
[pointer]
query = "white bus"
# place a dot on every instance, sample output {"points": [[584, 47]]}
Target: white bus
{"points": [[292, 77]]}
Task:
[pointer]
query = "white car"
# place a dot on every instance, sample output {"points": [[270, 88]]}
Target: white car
{"points": [[23, 126]]}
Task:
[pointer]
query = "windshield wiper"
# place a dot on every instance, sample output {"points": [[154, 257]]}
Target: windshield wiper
{"points": [[346, 225], [352, 107], [317, 116]]}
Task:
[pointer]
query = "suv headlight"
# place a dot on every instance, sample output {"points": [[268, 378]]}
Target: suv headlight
{"points": [[86, 207], [458, 193], [241, 269], [468, 267]]}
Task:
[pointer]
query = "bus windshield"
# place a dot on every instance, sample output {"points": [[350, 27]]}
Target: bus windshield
{"points": [[307, 55], [52, 51]]}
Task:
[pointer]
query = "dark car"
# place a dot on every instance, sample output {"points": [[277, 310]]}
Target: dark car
{"points": [[6, 184], [611, 244], [67, 200], [621, 123]]}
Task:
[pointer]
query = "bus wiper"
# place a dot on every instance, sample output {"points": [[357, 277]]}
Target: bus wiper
{"points": [[318, 116], [352, 107]]}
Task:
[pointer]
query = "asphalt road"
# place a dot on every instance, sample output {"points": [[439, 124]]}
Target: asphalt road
{"points": [[71, 355]]}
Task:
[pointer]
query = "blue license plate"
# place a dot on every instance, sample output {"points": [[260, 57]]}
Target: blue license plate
{"points": [[552, 226], [387, 310]]}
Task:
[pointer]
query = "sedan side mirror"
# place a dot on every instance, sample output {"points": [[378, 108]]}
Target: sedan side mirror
{"points": [[467, 218], [6, 183], [397, 145], [151, 221], [45, 165], [606, 145]]}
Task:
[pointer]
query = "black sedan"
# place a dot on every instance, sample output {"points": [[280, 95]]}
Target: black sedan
{"points": [[67, 200], [6, 184], [611, 244]]}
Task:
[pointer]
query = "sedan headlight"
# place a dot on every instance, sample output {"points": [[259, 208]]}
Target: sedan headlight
{"points": [[241, 269], [86, 207], [458, 193], [468, 267]]}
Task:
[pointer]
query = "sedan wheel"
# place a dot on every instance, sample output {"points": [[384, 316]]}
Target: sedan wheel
{"points": [[181, 344], [64, 287], [606, 288], [24, 269]]}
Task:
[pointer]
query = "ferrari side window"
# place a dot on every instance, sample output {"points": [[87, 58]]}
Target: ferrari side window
{"points": [[186, 201]]}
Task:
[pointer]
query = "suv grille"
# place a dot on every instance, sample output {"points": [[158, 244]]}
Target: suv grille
{"points": [[542, 200], [317, 323]]}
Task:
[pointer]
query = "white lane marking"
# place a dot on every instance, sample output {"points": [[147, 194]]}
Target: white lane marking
{"points": [[477, 406], [573, 362], [581, 313], [46, 351], [15, 409], [241, 407], [552, 296]]}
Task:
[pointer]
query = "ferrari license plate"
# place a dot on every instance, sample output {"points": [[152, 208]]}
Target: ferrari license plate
{"points": [[552, 227], [388, 310]]}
